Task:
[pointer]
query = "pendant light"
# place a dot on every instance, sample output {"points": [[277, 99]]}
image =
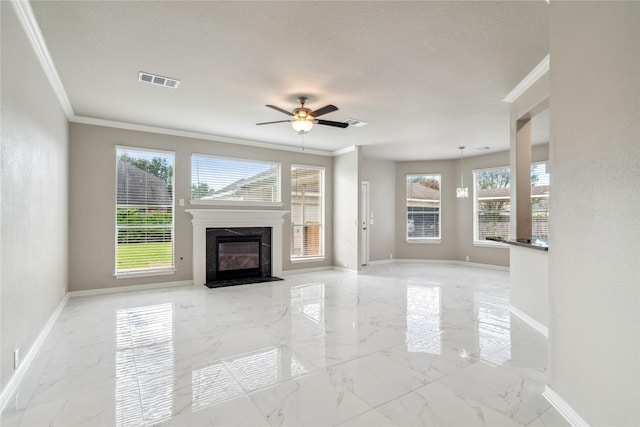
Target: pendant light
{"points": [[462, 191]]}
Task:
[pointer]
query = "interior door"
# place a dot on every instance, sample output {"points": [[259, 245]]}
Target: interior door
{"points": [[364, 244]]}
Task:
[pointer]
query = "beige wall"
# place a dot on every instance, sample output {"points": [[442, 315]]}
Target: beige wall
{"points": [[92, 200], [447, 249], [33, 209], [457, 214], [594, 256], [381, 175], [346, 216]]}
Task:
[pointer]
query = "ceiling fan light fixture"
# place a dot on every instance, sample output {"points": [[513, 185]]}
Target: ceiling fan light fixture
{"points": [[302, 125]]}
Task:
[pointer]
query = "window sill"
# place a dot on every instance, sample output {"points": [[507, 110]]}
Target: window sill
{"points": [[309, 259], [145, 273], [489, 244], [423, 241], [235, 203]]}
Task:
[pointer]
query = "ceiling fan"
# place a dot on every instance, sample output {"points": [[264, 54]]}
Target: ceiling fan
{"points": [[304, 118]]}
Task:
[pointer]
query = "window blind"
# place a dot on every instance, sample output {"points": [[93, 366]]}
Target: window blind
{"points": [[539, 203], [492, 203], [307, 212], [423, 206], [217, 179], [144, 210]]}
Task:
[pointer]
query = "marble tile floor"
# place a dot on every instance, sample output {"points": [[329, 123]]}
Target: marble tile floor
{"points": [[399, 345]]}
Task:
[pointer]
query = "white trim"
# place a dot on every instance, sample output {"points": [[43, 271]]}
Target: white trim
{"points": [[344, 150], [564, 408], [382, 261], [453, 262], [195, 135], [529, 321], [534, 75], [132, 288], [419, 240], [144, 273], [32, 30], [347, 271], [305, 270], [236, 203], [307, 259], [17, 376], [489, 244]]}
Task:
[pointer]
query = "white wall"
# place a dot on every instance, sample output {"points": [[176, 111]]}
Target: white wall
{"points": [[34, 196], [346, 214], [594, 256], [92, 200], [381, 175]]}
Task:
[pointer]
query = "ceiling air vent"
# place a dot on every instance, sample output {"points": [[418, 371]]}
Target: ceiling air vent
{"points": [[158, 80], [356, 123]]}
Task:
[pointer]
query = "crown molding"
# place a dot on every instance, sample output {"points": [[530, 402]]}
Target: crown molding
{"points": [[534, 75], [32, 30], [196, 135]]}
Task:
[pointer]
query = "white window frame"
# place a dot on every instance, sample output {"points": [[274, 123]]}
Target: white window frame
{"points": [[485, 243], [146, 272], [422, 240], [248, 203], [323, 196]]}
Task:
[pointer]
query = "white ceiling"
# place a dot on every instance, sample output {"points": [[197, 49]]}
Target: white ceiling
{"points": [[427, 76]]}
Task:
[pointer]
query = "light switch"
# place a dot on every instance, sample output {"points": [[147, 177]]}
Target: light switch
{"points": [[181, 202]]}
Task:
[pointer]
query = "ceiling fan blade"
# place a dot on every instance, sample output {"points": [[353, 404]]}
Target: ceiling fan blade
{"points": [[324, 110], [331, 123], [288, 113], [278, 121]]}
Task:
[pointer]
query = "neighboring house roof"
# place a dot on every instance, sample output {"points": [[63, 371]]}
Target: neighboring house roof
{"points": [[139, 187], [503, 193], [264, 179], [415, 190]]}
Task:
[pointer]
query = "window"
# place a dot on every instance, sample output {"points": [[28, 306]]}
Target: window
{"points": [[216, 180], [144, 211], [539, 203], [307, 212], [492, 204], [423, 207]]}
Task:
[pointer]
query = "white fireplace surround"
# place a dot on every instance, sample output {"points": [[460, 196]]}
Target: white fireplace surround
{"points": [[228, 218]]}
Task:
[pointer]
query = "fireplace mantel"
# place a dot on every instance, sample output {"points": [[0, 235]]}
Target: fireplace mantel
{"points": [[221, 218]]}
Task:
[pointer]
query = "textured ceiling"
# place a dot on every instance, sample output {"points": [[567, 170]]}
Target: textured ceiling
{"points": [[427, 76]]}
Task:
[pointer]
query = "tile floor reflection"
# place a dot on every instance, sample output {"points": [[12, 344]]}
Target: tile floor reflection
{"points": [[400, 345]]}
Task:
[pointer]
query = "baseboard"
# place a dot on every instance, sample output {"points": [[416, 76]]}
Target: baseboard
{"points": [[382, 261], [15, 379], [453, 262], [529, 321], [305, 270], [347, 271], [564, 408], [130, 288]]}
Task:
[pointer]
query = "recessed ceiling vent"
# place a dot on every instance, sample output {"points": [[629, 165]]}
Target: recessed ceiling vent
{"points": [[356, 123], [158, 80]]}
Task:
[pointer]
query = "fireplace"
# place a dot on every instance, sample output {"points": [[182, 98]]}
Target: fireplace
{"points": [[238, 255], [205, 220]]}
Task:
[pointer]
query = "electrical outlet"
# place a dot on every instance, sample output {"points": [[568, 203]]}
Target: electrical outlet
{"points": [[390, 256], [16, 358], [467, 258]]}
